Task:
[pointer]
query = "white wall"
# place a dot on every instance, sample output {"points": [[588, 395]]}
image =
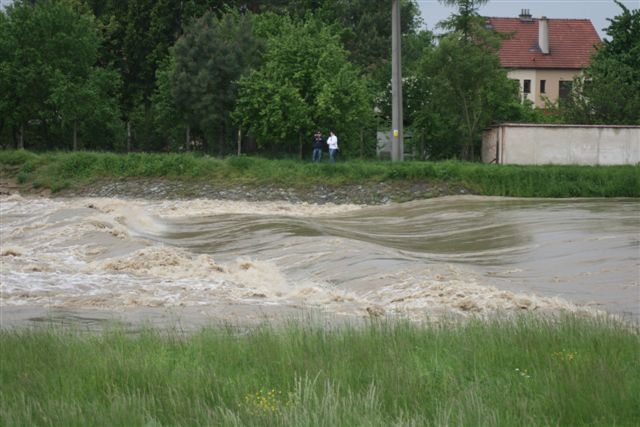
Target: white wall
{"points": [[525, 144]]}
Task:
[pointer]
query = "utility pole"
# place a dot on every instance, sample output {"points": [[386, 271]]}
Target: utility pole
{"points": [[397, 139]]}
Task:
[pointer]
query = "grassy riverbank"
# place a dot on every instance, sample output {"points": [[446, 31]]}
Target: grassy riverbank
{"points": [[57, 171], [532, 371]]}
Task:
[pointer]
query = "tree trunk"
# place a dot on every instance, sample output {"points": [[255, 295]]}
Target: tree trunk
{"points": [[45, 133], [75, 135], [221, 140], [206, 143], [250, 144], [467, 151], [187, 144], [21, 138], [239, 141], [128, 136], [300, 145]]}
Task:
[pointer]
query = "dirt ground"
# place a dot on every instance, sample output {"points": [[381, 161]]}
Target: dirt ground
{"points": [[9, 186]]}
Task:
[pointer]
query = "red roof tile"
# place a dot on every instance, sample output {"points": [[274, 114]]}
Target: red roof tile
{"points": [[571, 43]]}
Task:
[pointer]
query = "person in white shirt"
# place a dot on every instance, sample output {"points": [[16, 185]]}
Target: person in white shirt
{"points": [[332, 142]]}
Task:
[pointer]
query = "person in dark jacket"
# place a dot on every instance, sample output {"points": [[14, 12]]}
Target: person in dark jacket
{"points": [[318, 143]]}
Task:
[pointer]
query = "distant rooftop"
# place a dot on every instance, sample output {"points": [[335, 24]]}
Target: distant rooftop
{"points": [[571, 42]]}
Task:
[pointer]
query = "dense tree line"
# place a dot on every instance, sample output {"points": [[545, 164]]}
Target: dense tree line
{"points": [[261, 76], [609, 89]]}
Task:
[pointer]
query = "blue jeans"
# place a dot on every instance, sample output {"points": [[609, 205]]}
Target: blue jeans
{"points": [[332, 154], [317, 154]]}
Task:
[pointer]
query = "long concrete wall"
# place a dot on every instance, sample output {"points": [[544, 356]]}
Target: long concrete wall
{"points": [[525, 144]]}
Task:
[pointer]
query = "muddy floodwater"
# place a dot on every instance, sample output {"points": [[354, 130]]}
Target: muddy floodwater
{"points": [[85, 260]]}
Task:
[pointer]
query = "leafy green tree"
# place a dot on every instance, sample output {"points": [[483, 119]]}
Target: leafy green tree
{"points": [[49, 70], [414, 47], [461, 87], [167, 120], [609, 90], [295, 8], [8, 102], [464, 89], [137, 36], [89, 107], [467, 21], [364, 27], [138, 33], [212, 54], [306, 82]]}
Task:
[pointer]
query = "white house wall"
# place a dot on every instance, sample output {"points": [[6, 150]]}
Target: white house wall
{"points": [[521, 76], [552, 78], [561, 144]]}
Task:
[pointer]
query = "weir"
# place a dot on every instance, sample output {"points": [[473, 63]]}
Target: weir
{"points": [[461, 256]]}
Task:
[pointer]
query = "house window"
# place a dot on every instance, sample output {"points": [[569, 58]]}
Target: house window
{"points": [[527, 86], [543, 86], [565, 88]]}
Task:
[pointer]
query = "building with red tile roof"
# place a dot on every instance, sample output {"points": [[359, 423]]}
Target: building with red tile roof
{"points": [[543, 54]]}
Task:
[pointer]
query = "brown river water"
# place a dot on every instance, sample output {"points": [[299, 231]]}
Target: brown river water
{"points": [[86, 260]]}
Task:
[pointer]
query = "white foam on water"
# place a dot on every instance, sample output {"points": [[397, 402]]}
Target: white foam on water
{"points": [[98, 252], [204, 207], [457, 291]]}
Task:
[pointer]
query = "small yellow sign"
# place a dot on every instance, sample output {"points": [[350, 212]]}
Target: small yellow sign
{"points": [[395, 133]]}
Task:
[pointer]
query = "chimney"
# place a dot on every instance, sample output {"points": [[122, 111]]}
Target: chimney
{"points": [[525, 15], [543, 35]]}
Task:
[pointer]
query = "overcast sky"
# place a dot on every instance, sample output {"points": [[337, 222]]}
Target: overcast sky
{"points": [[596, 10]]}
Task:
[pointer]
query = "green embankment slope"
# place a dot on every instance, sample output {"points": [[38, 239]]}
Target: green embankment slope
{"points": [[60, 170]]}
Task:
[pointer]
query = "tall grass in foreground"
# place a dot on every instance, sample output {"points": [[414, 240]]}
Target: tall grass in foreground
{"points": [[59, 170], [528, 371]]}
